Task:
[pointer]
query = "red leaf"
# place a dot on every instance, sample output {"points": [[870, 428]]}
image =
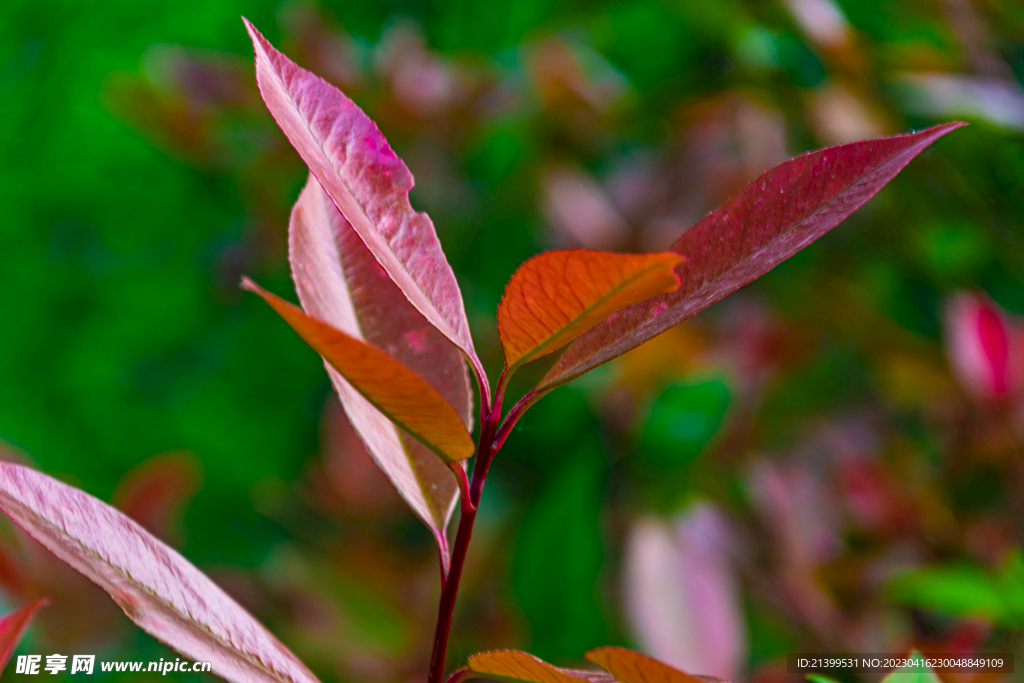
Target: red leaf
{"points": [[370, 186], [632, 667], [397, 392], [12, 628], [339, 282], [155, 586], [557, 296], [762, 225]]}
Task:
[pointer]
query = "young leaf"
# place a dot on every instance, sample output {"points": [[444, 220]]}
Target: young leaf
{"points": [[400, 394], [155, 586], [632, 667], [762, 225], [370, 186], [338, 281], [519, 667], [12, 628], [557, 296]]}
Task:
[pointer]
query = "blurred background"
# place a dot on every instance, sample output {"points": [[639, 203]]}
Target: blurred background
{"points": [[829, 460]]}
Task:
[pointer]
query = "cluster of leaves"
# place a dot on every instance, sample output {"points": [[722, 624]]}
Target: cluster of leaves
{"points": [[377, 289], [836, 452]]}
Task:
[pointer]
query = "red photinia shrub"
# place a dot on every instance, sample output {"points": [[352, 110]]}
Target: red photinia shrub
{"points": [[381, 305]]}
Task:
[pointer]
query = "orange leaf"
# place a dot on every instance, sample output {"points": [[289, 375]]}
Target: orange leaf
{"points": [[557, 296], [400, 394], [516, 666], [632, 667]]}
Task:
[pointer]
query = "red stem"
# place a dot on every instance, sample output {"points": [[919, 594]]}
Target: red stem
{"points": [[513, 416], [448, 594], [470, 501]]}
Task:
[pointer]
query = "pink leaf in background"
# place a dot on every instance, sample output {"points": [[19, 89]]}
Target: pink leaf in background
{"points": [[581, 211], [339, 282], [822, 20], [682, 596], [12, 628], [800, 515], [983, 350], [155, 586], [155, 492], [370, 186], [350, 482], [996, 101], [760, 226], [800, 511]]}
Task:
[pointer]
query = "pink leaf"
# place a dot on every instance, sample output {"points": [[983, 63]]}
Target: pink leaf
{"points": [[155, 586], [339, 282], [682, 595], [982, 348], [759, 227], [12, 628], [370, 186]]}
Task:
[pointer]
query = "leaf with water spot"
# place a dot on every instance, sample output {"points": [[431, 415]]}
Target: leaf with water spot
{"points": [[759, 227]]}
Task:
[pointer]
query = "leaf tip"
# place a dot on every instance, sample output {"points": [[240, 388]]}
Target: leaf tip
{"points": [[248, 285], [253, 32], [260, 45], [945, 128]]}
